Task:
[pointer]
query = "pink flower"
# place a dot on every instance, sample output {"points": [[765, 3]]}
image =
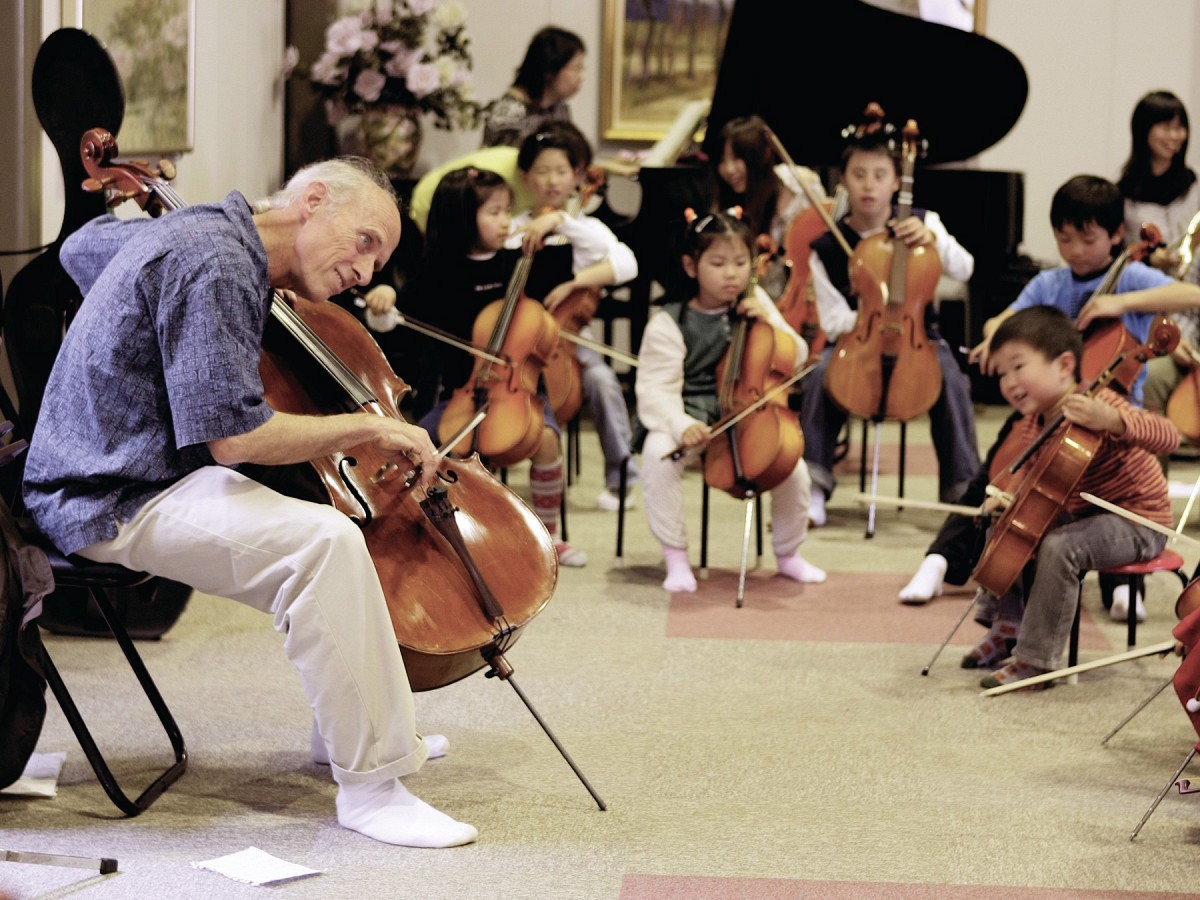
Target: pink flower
{"points": [[423, 79], [369, 85], [325, 70], [334, 112], [398, 65], [345, 37], [420, 7]]}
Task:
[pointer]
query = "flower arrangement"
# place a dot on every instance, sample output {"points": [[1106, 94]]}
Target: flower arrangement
{"points": [[415, 55]]}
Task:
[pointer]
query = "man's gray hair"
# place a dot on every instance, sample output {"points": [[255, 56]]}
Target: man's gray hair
{"points": [[346, 177]]}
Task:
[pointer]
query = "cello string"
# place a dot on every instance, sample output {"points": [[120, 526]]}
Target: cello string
{"points": [[320, 352]]}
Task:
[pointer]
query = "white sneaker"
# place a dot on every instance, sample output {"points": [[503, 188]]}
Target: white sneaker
{"points": [[609, 501]]}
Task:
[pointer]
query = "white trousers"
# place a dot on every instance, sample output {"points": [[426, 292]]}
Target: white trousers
{"points": [[306, 564], [662, 490]]}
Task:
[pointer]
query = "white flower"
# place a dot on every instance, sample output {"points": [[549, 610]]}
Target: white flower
{"points": [[327, 71], [420, 7], [447, 70], [450, 17], [291, 58]]}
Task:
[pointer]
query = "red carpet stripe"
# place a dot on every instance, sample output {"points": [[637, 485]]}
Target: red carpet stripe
{"points": [[849, 607]]}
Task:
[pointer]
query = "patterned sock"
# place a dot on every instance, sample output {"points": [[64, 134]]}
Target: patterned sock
{"points": [[994, 647], [545, 490]]}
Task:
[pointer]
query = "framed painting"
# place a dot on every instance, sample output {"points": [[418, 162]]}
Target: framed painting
{"points": [[153, 46], [658, 56]]}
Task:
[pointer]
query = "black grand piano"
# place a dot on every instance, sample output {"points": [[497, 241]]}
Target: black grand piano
{"points": [[771, 69]]}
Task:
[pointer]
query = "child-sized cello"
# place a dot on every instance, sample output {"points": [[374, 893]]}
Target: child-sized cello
{"points": [[1063, 451]]}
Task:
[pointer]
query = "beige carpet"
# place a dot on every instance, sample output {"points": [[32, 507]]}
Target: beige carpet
{"points": [[787, 749]]}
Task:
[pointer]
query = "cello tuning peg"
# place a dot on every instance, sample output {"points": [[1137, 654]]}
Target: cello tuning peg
{"points": [[167, 169]]}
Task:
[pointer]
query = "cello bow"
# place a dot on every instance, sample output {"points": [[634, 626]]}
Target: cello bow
{"points": [[813, 200], [1161, 648]]}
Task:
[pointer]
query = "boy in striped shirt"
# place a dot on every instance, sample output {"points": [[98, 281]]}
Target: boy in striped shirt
{"points": [[1036, 354]]}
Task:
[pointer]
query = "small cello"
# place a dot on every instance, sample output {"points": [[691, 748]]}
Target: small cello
{"points": [[563, 375], [521, 332], [895, 284], [762, 449], [1183, 406], [1063, 451], [798, 302], [1104, 339]]}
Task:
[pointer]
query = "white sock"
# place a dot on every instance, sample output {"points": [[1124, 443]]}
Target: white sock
{"points": [[1119, 612], [438, 744], [795, 568], [927, 582], [387, 812], [679, 571], [816, 509]]}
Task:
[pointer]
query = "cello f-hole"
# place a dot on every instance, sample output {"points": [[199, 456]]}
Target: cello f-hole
{"points": [[344, 465]]}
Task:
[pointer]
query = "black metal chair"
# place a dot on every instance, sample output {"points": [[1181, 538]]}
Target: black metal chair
{"points": [[96, 579]]}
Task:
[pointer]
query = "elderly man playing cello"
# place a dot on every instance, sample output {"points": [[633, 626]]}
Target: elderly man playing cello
{"points": [[156, 398]]}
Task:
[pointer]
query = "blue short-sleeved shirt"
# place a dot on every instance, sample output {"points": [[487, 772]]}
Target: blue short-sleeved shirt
{"points": [[1060, 288], [162, 358]]}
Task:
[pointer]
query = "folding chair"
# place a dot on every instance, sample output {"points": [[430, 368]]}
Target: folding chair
{"points": [[96, 579]]}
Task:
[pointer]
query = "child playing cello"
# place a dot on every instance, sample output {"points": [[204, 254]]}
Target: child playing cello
{"points": [[1036, 353], [677, 400], [467, 267]]}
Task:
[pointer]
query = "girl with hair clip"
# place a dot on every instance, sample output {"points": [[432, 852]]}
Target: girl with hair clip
{"points": [[677, 399], [467, 267], [550, 74]]}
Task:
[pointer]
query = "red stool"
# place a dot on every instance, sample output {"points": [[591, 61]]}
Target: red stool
{"points": [[1167, 561]]}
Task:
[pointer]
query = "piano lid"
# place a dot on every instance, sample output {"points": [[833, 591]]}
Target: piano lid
{"points": [[811, 81]]}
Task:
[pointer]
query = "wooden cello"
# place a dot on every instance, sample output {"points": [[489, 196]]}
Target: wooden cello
{"points": [[1104, 339], [564, 375], [1183, 406], [1063, 451], [441, 580], [888, 346], [798, 302], [521, 332], [762, 449]]}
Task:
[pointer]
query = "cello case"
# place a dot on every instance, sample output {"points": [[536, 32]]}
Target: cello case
{"points": [[75, 87]]}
